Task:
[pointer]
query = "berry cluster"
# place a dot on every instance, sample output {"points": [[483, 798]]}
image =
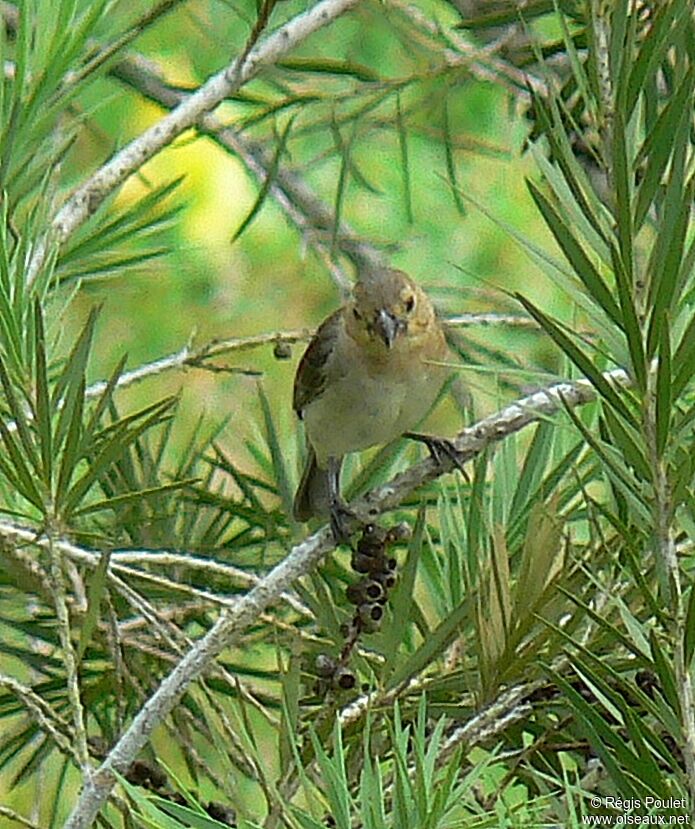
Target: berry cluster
{"points": [[369, 595]]}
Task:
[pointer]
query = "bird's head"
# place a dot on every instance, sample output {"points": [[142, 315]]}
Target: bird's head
{"points": [[388, 308]]}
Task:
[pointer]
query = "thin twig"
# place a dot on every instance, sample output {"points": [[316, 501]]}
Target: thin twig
{"points": [[16, 535], [46, 718], [481, 63], [192, 357], [69, 655], [299, 203], [163, 558], [10, 814], [189, 357]]}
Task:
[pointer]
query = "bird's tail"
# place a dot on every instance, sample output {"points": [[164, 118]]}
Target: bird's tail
{"points": [[312, 498]]}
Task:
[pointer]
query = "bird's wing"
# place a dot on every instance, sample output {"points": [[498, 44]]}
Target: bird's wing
{"points": [[310, 380]]}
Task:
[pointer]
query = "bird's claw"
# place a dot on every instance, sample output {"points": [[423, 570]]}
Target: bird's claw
{"points": [[341, 514], [439, 449]]}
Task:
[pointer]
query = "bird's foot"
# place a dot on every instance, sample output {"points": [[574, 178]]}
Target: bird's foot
{"points": [[440, 448], [341, 515]]}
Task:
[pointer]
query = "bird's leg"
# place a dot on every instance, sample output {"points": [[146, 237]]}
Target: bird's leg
{"points": [[439, 448], [339, 509]]}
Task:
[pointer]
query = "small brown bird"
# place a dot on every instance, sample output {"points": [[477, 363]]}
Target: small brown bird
{"points": [[368, 376]]}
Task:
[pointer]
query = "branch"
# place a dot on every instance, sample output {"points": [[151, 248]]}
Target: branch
{"points": [[69, 655], [89, 196], [301, 560], [14, 535], [194, 357], [481, 63], [45, 717], [189, 357], [10, 814], [473, 440], [301, 205]]}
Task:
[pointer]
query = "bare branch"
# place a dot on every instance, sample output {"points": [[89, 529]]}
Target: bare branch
{"points": [[194, 357], [89, 196], [45, 717], [10, 814], [189, 356]]}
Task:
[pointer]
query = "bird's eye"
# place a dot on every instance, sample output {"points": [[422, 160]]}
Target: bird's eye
{"points": [[357, 314], [409, 304]]}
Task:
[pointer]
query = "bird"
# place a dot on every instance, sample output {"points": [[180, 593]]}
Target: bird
{"points": [[370, 374]]}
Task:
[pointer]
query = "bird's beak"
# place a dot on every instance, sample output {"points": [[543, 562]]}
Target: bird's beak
{"points": [[388, 327]]}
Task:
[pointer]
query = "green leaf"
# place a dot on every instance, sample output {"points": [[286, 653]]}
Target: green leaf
{"points": [[331, 66], [631, 324], [149, 813], [689, 631], [684, 360], [113, 448], [30, 458], [667, 254], [104, 400], [580, 359], [658, 145], [83, 252], [334, 777], [434, 644], [622, 175], [572, 186], [306, 820], [268, 182], [18, 470], [576, 256], [405, 161], [628, 442], [588, 219], [652, 51], [663, 390], [619, 49], [187, 817], [532, 470], [618, 697], [72, 453], [67, 392], [117, 501], [345, 149], [603, 740], [276, 452], [95, 593], [664, 670], [450, 163], [43, 402], [402, 600]]}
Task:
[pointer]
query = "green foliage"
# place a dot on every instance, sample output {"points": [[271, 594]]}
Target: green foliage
{"points": [[543, 617]]}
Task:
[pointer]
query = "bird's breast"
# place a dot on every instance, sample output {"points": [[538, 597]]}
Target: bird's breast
{"points": [[365, 403]]}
